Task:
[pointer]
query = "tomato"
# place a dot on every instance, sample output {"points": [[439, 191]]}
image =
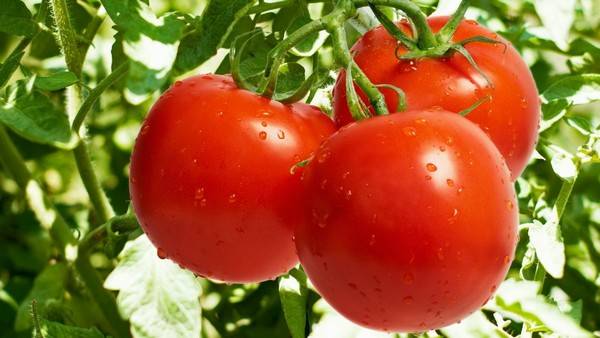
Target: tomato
{"points": [[510, 117], [411, 220], [211, 179]]}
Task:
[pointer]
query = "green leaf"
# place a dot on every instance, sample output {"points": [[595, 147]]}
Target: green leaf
{"points": [[159, 298], [476, 325], [562, 162], [549, 246], [49, 285], [290, 78], [580, 124], [521, 300], [16, 19], [56, 81], [33, 116], [52, 329], [150, 42], [569, 91], [203, 42], [9, 67], [558, 26], [293, 294], [310, 44]]}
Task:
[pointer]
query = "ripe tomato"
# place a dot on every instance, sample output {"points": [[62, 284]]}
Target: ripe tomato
{"points": [[510, 117], [412, 220], [211, 181]]}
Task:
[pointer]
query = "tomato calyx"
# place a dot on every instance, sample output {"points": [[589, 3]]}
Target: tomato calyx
{"points": [[440, 46]]}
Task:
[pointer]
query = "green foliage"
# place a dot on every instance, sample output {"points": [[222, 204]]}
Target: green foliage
{"points": [[553, 288]]}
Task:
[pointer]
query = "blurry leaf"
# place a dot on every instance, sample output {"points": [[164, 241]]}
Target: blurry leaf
{"points": [[549, 246], [476, 325], [159, 298], [572, 90], [52, 329], [56, 81], [33, 116], [290, 78], [557, 25], [563, 163], [150, 43], [310, 44], [49, 285], [16, 19], [8, 67], [521, 300], [580, 124], [293, 293], [202, 43]]}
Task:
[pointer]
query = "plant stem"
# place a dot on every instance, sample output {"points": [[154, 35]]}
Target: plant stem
{"points": [[446, 33], [67, 39], [43, 209], [426, 38], [343, 57]]}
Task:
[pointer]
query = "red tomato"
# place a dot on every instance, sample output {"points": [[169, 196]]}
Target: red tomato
{"points": [[510, 118], [211, 181], [412, 220]]}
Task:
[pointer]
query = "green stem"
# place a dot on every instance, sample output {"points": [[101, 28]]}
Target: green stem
{"points": [[276, 58], [96, 92], [343, 57], [104, 210], [446, 33], [66, 36], [43, 209], [264, 7], [426, 38]]}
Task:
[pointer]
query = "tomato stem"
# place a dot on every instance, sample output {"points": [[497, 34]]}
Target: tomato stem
{"points": [[446, 33]]}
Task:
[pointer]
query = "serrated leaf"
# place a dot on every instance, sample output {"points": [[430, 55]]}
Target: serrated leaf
{"points": [[16, 19], [49, 285], [293, 294], [521, 300], [159, 298], [33, 116], [142, 32], [202, 43], [53, 329], [549, 246], [56, 81]]}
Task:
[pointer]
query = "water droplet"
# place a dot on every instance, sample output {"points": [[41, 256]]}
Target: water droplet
{"points": [[427, 177], [220, 113], [442, 148], [232, 198], [262, 135], [348, 194], [407, 300], [431, 167], [323, 156], [178, 83], [199, 194], [263, 123], [440, 254], [408, 278], [460, 190], [449, 140], [506, 259], [161, 253], [523, 103], [372, 240], [450, 182], [352, 286], [145, 129], [280, 134], [409, 131], [421, 121], [493, 288], [509, 205], [323, 184]]}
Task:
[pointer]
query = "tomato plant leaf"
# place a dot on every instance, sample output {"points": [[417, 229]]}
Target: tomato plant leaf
{"points": [[476, 325], [49, 285], [33, 116], [558, 26], [53, 329], [9, 66], [203, 42], [290, 78], [549, 246], [56, 81], [572, 90], [143, 32], [159, 298], [16, 19], [293, 293]]}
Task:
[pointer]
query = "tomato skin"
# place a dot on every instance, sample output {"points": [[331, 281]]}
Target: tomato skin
{"points": [[411, 220], [211, 182], [510, 118]]}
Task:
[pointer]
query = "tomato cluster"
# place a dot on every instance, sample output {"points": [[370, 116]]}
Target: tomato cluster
{"points": [[403, 222]]}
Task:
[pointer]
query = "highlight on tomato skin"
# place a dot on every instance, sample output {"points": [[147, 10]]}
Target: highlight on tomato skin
{"points": [[510, 116], [211, 182], [411, 220]]}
